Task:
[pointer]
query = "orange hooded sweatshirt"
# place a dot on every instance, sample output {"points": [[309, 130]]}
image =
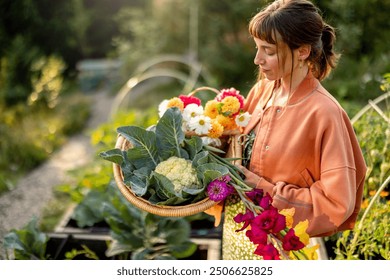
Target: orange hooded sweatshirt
{"points": [[311, 146]]}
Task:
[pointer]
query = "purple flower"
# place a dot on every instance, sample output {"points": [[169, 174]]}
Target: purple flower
{"points": [[219, 189]]}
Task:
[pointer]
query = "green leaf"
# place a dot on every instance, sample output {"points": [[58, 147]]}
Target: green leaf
{"points": [[192, 190], [174, 231], [200, 158], [138, 181], [114, 155], [164, 187], [28, 243], [183, 250], [117, 248], [170, 135], [142, 254], [144, 152], [193, 146], [211, 171], [88, 212]]}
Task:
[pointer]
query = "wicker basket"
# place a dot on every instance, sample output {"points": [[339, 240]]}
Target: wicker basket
{"points": [[234, 150]]}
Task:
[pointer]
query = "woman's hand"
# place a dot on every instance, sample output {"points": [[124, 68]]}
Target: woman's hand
{"points": [[253, 180]]}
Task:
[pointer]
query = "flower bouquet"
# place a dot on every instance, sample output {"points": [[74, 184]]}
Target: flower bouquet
{"points": [[175, 169], [220, 117]]}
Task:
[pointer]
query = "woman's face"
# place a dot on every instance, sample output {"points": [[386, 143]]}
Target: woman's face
{"points": [[274, 61]]}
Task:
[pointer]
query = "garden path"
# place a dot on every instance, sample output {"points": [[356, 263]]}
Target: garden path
{"points": [[34, 191]]}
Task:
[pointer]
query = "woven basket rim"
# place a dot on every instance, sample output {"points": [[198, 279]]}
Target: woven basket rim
{"points": [[143, 204]]}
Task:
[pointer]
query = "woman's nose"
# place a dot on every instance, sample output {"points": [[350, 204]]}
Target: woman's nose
{"points": [[258, 60]]}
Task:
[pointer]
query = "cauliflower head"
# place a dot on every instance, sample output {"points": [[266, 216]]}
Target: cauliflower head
{"points": [[179, 171]]}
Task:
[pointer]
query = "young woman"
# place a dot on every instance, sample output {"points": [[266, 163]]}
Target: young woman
{"points": [[300, 145]]}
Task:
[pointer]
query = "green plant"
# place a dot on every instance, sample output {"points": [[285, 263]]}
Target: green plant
{"points": [[26, 142], [28, 243], [136, 234], [370, 238], [85, 251]]}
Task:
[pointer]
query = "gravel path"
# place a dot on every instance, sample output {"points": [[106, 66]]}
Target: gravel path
{"points": [[32, 192]]}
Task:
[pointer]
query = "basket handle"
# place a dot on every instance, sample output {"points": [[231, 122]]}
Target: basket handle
{"points": [[203, 88]]}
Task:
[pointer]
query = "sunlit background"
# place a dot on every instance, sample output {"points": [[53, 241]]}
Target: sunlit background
{"points": [[59, 58]]}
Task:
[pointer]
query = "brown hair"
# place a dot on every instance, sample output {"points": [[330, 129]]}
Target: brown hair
{"points": [[298, 22]]}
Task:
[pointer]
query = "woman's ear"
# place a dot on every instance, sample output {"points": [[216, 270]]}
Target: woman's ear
{"points": [[304, 52]]}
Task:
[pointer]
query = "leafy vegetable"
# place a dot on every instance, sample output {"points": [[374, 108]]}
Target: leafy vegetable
{"points": [[152, 148]]}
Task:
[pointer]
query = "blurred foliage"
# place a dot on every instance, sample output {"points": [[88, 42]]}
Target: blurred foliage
{"points": [[370, 239], [214, 32], [136, 235], [28, 243], [225, 48], [97, 175], [31, 32], [27, 141]]}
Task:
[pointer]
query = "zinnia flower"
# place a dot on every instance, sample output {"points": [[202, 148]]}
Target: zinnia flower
{"points": [[243, 119], [200, 124], [191, 111], [219, 189], [189, 100]]}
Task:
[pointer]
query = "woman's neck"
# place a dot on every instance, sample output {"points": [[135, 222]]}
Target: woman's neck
{"points": [[287, 86], [290, 83]]}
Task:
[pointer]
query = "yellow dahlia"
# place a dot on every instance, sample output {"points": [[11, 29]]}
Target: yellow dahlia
{"points": [[211, 109], [176, 102], [226, 122], [216, 129], [230, 105]]}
